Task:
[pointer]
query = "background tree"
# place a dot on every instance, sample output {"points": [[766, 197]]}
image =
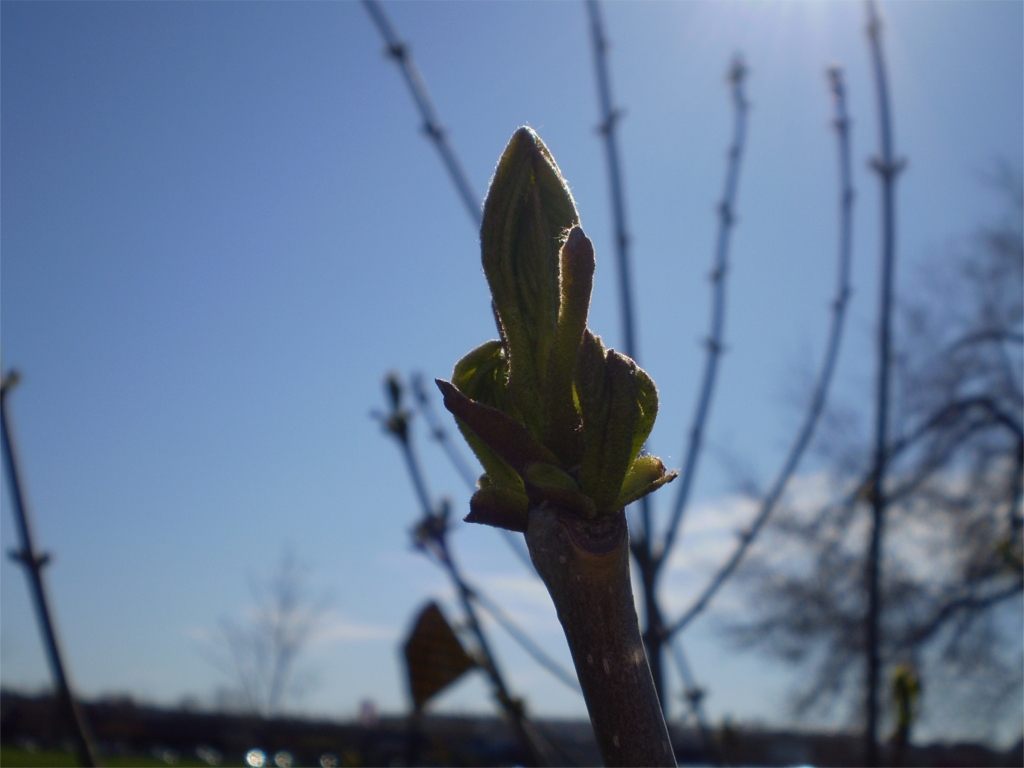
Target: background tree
{"points": [[951, 576], [260, 654]]}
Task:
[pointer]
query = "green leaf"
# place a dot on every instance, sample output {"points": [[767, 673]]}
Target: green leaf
{"points": [[647, 399], [499, 507], [547, 476], [608, 395], [482, 375], [563, 423], [647, 474], [526, 214], [509, 439], [623, 414], [593, 401]]}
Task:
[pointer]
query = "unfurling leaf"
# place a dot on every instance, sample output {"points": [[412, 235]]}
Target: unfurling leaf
{"points": [[608, 393], [499, 507], [647, 399], [482, 375], [562, 424], [547, 476], [647, 474], [547, 483], [552, 415], [527, 213], [504, 435]]}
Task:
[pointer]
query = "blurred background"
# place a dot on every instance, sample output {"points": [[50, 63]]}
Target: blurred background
{"points": [[222, 226]]}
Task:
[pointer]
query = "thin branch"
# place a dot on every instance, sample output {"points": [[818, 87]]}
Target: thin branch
{"points": [[517, 634], [535, 748], [726, 221], [399, 52], [610, 117], [888, 168], [951, 412], [970, 603], [993, 335], [430, 535], [694, 695], [820, 392], [34, 563], [439, 434]]}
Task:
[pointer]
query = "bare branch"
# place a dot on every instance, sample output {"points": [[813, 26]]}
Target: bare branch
{"points": [[969, 604], [610, 117], [726, 221], [820, 393], [517, 634], [399, 52], [888, 168], [694, 696], [33, 563], [431, 536]]}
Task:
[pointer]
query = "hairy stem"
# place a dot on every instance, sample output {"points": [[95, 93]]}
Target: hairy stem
{"points": [[585, 565]]}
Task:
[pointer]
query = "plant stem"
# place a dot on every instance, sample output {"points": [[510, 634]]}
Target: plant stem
{"points": [[585, 566]]}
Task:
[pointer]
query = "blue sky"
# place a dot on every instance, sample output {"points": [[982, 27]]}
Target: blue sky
{"points": [[221, 226]]}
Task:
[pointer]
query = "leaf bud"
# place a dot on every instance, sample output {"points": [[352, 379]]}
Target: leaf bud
{"points": [[527, 213]]}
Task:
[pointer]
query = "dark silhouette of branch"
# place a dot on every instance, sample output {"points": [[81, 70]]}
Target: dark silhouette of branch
{"points": [[888, 168], [33, 563], [820, 392], [694, 696], [399, 52], [430, 536], [969, 603], [517, 634], [952, 480], [726, 221], [992, 335], [439, 434], [610, 117], [537, 751]]}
